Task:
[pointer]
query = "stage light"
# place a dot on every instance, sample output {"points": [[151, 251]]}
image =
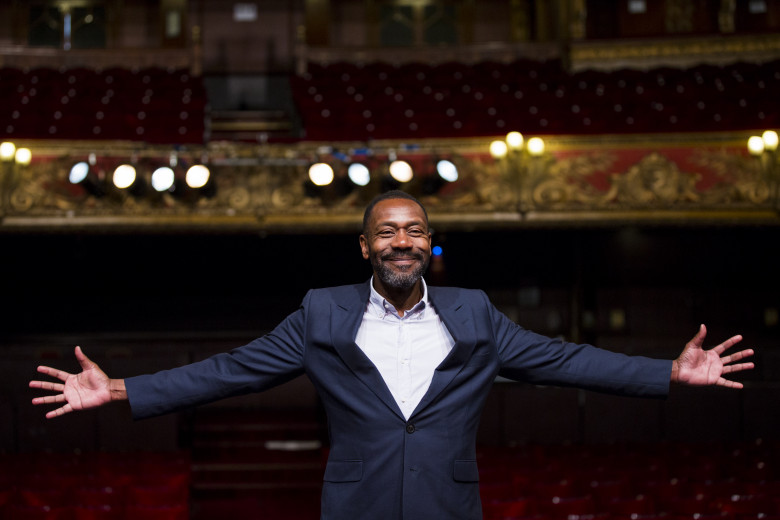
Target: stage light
{"points": [[401, 171], [163, 179], [447, 170], [124, 176], [514, 140], [770, 140], [320, 174], [359, 174], [498, 149], [7, 151], [536, 146], [197, 176], [23, 156], [82, 174], [78, 172], [437, 251], [755, 145]]}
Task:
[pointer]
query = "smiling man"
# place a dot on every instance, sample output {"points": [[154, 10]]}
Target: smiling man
{"points": [[403, 371], [397, 242]]}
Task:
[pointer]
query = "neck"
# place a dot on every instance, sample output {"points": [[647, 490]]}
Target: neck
{"points": [[401, 299]]}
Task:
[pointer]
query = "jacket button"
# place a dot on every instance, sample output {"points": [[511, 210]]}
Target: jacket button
{"points": [[410, 428]]}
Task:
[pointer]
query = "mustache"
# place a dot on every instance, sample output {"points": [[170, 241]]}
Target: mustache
{"points": [[403, 256]]}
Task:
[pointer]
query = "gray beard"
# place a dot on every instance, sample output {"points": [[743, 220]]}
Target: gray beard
{"points": [[398, 280]]}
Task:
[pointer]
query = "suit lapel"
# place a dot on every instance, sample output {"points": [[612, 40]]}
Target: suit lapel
{"points": [[346, 317], [459, 321]]}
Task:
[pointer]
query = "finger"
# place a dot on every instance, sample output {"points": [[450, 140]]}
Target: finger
{"points": [[736, 356], [83, 360], [727, 344], [49, 399], [729, 384], [737, 368], [59, 411], [47, 385], [698, 339], [53, 372]]}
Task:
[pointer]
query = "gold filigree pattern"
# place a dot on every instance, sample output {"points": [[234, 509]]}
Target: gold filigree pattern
{"points": [[654, 181], [575, 180]]}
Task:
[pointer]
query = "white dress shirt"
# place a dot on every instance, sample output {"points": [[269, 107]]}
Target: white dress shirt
{"points": [[406, 350]]}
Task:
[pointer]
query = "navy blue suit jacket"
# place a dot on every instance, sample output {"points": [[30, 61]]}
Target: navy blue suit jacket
{"points": [[382, 466]]}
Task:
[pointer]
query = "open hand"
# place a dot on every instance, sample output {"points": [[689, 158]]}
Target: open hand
{"points": [[89, 388], [699, 367]]}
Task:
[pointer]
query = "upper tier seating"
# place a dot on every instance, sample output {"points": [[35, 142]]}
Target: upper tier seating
{"points": [[344, 101], [150, 105]]}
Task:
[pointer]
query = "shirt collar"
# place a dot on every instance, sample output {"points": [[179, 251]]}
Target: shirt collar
{"points": [[380, 307]]}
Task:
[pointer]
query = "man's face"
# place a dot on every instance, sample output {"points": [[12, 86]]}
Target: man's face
{"points": [[397, 242]]}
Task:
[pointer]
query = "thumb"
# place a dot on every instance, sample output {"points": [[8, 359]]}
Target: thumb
{"points": [[83, 360], [698, 339]]}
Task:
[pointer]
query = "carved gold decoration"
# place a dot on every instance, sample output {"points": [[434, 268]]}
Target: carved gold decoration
{"points": [[654, 181], [673, 52], [577, 180], [740, 180]]}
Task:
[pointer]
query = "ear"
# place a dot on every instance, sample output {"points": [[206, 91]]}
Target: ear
{"points": [[364, 246]]}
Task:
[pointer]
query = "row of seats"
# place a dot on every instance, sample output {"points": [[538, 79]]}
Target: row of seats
{"points": [[738, 481], [95, 486], [349, 101], [725, 481], [151, 104]]}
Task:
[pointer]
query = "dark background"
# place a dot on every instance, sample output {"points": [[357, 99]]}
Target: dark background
{"points": [[82, 283]]}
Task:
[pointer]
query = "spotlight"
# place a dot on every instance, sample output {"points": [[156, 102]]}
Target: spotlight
{"points": [[82, 174], [124, 176], [197, 176], [78, 172], [321, 174], [447, 170], [437, 251], [401, 171], [163, 179], [359, 174]]}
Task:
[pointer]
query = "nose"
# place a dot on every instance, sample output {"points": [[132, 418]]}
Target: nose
{"points": [[401, 240]]}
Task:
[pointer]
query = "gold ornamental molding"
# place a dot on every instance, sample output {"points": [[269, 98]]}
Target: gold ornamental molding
{"points": [[573, 181], [677, 52]]}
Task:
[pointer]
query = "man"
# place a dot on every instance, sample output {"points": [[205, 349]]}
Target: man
{"points": [[403, 371]]}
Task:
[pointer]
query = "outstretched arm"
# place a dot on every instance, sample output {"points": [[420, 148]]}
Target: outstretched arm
{"points": [[89, 388], [699, 367]]}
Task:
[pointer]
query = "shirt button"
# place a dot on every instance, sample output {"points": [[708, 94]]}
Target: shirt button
{"points": [[410, 428]]}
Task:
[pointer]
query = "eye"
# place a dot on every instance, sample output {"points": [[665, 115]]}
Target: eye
{"points": [[415, 232], [386, 233]]}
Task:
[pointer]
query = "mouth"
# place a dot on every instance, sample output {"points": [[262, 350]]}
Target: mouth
{"points": [[402, 260]]}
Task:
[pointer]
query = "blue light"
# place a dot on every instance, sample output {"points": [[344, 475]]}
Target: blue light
{"points": [[436, 251]]}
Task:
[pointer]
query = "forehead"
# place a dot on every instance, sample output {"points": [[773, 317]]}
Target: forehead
{"points": [[398, 212]]}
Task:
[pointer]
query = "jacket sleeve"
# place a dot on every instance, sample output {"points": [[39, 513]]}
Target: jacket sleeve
{"points": [[264, 363], [530, 357]]}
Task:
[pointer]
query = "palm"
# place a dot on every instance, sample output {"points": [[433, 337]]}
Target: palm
{"points": [[699, 367], [89, 388], [705, 366], [86, 389]]}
